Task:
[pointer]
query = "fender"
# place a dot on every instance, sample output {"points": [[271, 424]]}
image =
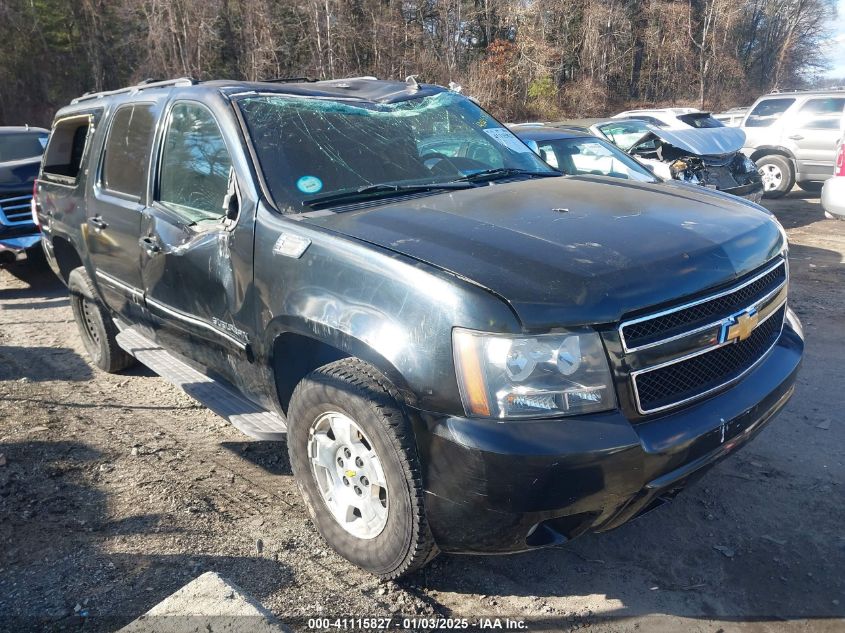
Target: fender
{"points": [[347, 342], [365, 301], [762, 150]]}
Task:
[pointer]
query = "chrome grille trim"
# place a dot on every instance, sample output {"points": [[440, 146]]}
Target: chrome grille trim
{"points": [[733, 380], [778, 263], [16, 210]]}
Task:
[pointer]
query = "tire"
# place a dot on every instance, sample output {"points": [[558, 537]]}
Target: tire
{"points": [[35, 256], [96, 327], [811, 186], [778, 175], [356, 391]]}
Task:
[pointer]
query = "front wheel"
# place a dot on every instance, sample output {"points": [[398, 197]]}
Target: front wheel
{"points": [[354, 458], [777, 174]]}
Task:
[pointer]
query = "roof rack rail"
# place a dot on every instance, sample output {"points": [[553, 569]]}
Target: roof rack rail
{"points": [[143, 85], [284, 80]]}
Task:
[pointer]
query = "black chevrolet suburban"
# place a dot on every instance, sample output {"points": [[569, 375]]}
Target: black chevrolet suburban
{"points": [[463, 349]]}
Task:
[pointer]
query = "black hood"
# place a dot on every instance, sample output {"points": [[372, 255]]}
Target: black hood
{"points": [[18, 175], [577, 249]]}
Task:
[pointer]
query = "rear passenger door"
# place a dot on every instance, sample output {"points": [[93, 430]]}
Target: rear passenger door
{"points": [[115, 203], [197, 242], [813, 135]]}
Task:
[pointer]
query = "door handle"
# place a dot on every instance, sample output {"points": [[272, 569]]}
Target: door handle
{"points": [[97, 222], [150, 245], [795, 137]]}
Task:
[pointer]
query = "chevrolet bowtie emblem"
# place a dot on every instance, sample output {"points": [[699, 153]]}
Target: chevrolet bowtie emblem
{"points": [[740, 326]]}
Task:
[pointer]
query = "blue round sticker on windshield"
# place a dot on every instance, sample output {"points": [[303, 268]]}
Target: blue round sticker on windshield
{"points": [[309, 184]]}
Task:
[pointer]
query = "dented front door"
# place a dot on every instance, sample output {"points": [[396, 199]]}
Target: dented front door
{"points": [[196, 244]]}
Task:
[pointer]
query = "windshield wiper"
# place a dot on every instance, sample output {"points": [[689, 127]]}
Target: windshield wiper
{"points": [[378, 191], [503, 172]]}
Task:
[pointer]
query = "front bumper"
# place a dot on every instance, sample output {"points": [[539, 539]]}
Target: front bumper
{"points": [[507, 487], [833, 196], [20, 243], [752, 191]]}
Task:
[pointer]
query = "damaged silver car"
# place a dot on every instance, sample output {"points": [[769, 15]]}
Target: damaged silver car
{"points": [[709, 157]]}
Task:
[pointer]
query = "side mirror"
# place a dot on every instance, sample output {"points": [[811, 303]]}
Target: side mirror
{"points": [[233, 207], [232, 201]]}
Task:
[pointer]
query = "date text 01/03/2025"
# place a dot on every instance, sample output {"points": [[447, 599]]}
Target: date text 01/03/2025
{"points": [[414, 624]]}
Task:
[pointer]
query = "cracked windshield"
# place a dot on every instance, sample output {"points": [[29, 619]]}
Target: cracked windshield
{"points": [[324, 151]]}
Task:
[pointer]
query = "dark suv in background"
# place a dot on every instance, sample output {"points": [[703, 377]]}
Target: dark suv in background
{"points": [[464, 351], [20, 160]]}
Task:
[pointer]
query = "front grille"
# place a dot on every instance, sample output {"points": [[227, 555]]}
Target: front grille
{"points": [[15, 210], [677, 355], [646, 331], [692, 378]]}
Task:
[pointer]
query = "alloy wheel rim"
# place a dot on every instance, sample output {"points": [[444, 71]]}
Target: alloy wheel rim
{"points": [[772, 177], [349, 474]]}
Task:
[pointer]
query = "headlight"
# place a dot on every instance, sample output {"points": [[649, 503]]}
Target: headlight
{"points": [[749, 165], [503, 376], [677, 167]]}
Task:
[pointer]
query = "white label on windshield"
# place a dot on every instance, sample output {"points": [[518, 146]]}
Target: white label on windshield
{"points": [[506, 138]]}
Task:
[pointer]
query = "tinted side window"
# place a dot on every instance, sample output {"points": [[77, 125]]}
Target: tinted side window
{"points": [[66, 148], [195, 165], [821, 114], [767, 112], [128, 149]]}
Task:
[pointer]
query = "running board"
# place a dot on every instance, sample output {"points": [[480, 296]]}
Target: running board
{"points": [[244, 414]]}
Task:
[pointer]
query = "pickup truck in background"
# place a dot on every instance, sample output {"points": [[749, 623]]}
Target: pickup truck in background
{"points": [[463, 349]]}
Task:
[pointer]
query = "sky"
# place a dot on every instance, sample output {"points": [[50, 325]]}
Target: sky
{"points": [[837, 57]]}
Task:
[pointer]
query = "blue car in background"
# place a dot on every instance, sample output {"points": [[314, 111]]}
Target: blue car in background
{"points": [[20, 158]]}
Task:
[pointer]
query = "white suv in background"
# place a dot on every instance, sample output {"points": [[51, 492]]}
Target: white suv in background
{"points": [[792, 136], [833, 192], [672, 118]]}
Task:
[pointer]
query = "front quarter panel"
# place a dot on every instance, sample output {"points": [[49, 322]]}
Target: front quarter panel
{"points": [[369, 302]]}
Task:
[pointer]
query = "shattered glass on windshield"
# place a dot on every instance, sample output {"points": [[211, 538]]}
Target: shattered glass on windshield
{"points": [[309, 146]]}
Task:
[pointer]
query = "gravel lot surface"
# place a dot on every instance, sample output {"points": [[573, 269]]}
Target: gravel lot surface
{"points": [[116, 490]]}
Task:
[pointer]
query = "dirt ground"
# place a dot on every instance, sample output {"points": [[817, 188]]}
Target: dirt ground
{"points": [[116, 490]]}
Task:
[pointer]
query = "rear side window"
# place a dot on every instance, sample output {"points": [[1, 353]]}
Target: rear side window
{"points": [[128, 149], [767, 112], [821, 114], [195, 165], [63, 158]]}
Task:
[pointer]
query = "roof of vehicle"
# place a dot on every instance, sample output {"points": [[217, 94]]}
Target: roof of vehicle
{"points": [[586, 124], [804, 93], [543, 133], [17, 129], [660, 110], [362, 89]]}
